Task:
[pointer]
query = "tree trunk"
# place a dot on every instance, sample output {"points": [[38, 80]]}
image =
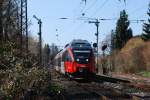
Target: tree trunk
{"points": [[1, 27]]}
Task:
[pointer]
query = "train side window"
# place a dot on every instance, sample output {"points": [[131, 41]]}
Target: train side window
{"points": [[64, 56], [59, 61], [69, 57]]}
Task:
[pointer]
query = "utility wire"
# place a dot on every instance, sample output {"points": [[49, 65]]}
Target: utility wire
{"points": [[112, 19], [99, 8], [137, 10], [81, 24], [76, 29], [92, 5], [142, 15]]}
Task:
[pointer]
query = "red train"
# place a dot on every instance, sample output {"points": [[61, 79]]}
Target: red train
{"points": [[76, 60]]}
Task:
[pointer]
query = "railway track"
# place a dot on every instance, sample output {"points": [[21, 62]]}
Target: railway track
{"points": [[107, 89], [125, 87], [100, 78]]}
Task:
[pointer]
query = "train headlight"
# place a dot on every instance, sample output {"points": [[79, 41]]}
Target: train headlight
{"points": [[87, 60], [78, 60]]}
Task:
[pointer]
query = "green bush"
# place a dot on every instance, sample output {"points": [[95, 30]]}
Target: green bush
{"points": [[144, 73]]}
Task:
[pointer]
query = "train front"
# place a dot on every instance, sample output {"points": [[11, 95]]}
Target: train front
{"points": [[84, 63]]}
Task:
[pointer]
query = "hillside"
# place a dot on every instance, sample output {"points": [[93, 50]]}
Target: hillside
{"points": [[132, 44], [134, 57]]}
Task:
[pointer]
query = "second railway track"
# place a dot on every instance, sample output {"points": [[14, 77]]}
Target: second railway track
{"points": [[99, 90]]}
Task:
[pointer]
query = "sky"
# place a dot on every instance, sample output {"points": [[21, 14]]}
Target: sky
{"points": [[62, 31]]}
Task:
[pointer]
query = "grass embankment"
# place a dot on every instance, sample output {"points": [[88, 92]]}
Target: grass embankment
{"points": [[134, 57]]}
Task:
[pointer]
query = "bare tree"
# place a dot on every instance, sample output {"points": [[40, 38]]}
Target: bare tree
{"points": [[9, 20]]}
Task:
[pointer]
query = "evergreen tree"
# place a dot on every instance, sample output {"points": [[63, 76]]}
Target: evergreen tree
{"points": [[122, 0], [123, 32], [146, 27]]}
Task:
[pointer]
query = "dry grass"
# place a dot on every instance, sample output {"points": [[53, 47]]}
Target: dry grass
{"points": [[134, 57], [131, 44], [146, 55]]}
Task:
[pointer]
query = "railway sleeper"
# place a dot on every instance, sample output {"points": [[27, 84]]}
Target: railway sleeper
{"points": [[86, 96]]}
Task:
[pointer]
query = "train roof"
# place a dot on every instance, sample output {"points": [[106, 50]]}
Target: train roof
{"points": [[75, 44], [78, 43]]}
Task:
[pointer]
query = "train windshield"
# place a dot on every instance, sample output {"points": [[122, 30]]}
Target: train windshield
{"points": [[81, 56], [81, 45]]}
